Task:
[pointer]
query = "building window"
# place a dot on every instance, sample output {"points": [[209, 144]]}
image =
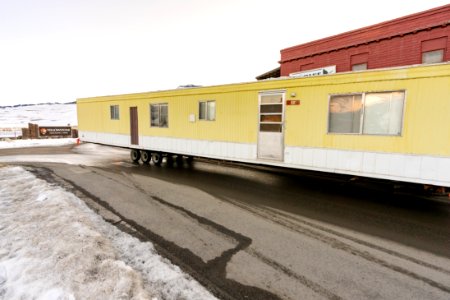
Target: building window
{"points": [[207, 110], [433, 51], [359, 67], [366, 113], [114, 112], [159, 115], [432, 57], [359, 61]]}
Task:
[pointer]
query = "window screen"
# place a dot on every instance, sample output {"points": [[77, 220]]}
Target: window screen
{"points": [[367, 113], [207, 110], [114, 112], [159, 115], [383, 113], [345, 114]]}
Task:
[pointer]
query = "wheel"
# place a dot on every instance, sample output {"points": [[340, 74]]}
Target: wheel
{"points": [[157, 158], [146, 156], [135, 155], [189, 159], [179, 160], [169, 158]]}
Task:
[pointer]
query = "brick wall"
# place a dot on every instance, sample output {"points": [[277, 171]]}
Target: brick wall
{"points": [[393, 43]]}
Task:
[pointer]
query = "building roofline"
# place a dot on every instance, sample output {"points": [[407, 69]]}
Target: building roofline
{"points": [[376, 32], [272, 73]]}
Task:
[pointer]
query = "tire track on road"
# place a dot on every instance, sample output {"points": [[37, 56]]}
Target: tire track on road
{"points": [[367, 244], [221, 263], [337, 244]]}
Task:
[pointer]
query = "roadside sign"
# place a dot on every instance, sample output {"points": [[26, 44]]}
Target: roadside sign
{"points": [[53, 131]]}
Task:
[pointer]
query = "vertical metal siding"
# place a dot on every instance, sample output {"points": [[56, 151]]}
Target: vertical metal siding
{"points": [[426, 128]]}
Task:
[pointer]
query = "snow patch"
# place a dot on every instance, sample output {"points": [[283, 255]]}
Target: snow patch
{"points": [[92, 154], [52, 246], [36, 143]]}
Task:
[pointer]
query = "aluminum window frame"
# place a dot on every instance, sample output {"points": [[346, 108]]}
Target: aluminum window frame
{"points": [[114, 112], [363, 110], [207, 102], [159, 106]]}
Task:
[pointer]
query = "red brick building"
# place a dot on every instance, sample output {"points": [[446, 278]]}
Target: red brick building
{"points": [[419, 38]]}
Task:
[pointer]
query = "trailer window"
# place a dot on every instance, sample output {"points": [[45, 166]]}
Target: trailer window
{"points": [[114, 112], [366, 113], [159, 115], [207, 110], [345, 114]]}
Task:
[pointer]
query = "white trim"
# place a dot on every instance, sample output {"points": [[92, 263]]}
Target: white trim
{"points": [[424, 169]]}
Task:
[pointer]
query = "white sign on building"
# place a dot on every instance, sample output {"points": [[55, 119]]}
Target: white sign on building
{"points": [[314, 72]]}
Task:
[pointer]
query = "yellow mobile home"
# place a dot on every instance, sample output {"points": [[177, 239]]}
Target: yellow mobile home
{"points": [[388, 123]]}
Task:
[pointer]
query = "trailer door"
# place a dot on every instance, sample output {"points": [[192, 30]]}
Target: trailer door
{"points": [[271, 126], [134, 128]]}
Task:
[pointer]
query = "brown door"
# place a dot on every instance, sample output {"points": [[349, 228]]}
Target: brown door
{"points": [[134, 129]]}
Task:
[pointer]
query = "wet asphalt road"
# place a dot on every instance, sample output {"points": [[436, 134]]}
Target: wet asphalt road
{"points": [[262, 233]]}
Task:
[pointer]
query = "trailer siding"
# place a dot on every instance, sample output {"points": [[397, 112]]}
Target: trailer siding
{"points": [[420, 154], [427, 107]]}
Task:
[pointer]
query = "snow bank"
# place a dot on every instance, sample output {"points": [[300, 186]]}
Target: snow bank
{"points": [[36, 143], [52, 246], [91, 154]]}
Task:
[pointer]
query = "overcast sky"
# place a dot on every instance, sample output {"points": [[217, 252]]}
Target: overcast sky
{"points": [[60, 50]]}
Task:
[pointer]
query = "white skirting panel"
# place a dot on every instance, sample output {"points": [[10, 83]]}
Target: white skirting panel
{"points": [[393, 166], [120, 140], [210, 149]]}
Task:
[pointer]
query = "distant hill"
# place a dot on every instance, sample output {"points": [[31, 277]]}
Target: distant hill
{"points": [[34, 104], [47, 114]]}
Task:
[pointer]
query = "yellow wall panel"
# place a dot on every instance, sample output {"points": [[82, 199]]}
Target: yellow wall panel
{"points": [[426, 124]]}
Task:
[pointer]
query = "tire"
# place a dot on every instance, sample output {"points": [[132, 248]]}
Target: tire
{"points": [[146, 156], [135, 155], [157, 158], [169, 158], [189, 159], [179, 160]]}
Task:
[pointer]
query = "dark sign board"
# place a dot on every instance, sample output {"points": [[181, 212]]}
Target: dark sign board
{"points": [[55, 131], [293, 102]]}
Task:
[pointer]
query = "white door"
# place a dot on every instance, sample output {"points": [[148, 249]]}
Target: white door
{"points": [[271, 126]]}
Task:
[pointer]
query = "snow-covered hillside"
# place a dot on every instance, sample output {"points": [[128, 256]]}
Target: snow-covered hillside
{"points": [[43, 115]]}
